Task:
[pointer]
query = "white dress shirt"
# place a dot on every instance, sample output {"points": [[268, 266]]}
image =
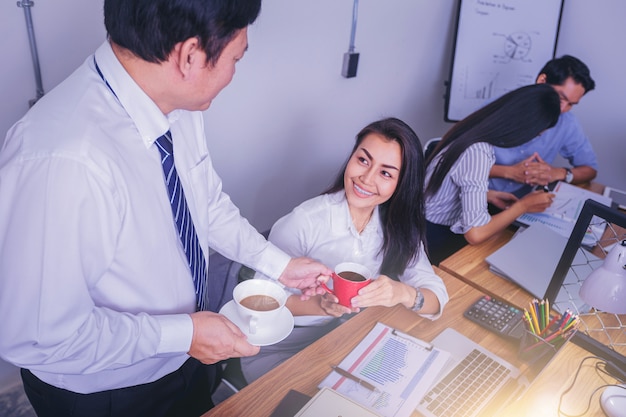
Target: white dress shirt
{"points": [[461, 201], [322, 228], [95, 290]]}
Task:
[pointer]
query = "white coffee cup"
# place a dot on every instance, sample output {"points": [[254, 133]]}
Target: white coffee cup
{"points": [[259, 302]]}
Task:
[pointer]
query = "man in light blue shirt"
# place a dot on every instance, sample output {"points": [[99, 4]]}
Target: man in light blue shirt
{"points": [[519, 169]]}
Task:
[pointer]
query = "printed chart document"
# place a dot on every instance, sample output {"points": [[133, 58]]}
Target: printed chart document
{"points": [[401, 368], [561, 216]]}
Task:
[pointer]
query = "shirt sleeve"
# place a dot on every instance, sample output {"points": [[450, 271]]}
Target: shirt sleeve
{"points": [[59, 228], [234, 237], [420, 274], [290, 233], [472, 177], [577, 147]]}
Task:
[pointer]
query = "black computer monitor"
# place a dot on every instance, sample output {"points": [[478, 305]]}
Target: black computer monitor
{"points": [[608, 343]]}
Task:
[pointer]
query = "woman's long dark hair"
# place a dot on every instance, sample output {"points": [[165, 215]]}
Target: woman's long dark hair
{"points": [[512, 120], [402, 216]]}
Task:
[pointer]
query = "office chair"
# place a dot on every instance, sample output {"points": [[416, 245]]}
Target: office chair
{"points": [[430, 145], [232, 376], [228, 271]]}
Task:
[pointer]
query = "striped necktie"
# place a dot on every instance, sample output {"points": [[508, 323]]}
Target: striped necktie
{"points": [[183, 220]]}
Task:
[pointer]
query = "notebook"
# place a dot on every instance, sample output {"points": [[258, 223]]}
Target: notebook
{"points": [[530, 258], [328, 402], [561, 216], [475, 381]]}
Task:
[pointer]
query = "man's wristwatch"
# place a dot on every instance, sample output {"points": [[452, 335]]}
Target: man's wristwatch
{"points": [[419, 300], [569, 175]]}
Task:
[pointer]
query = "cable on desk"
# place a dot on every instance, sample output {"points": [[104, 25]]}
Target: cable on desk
{"points": [[600, 367]]}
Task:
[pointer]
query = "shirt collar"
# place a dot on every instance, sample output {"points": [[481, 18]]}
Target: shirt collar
{"points": [[150, 122]]}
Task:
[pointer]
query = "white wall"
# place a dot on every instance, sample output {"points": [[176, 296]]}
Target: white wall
{"points": [[284, 125], [293, 117], [594, 31], [282, 128]]}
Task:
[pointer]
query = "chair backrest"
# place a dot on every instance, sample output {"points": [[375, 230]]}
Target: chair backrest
{"points": [[224, 274], [430, 146], [232, 273]]}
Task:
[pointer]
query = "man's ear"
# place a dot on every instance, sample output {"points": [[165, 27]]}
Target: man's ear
{"points": [[185, 55], [542, 78]]}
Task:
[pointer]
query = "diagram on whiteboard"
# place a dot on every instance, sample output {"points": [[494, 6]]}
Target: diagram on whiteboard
{"points": [[517, 46], [482, 85], [499, 45]]}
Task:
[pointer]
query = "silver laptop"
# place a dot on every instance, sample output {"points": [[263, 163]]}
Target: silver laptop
{"points": [[475, 381], [530, 258]]}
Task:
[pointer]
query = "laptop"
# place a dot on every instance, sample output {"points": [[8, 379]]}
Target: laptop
{"points": [[530, 259], [475, 381]]}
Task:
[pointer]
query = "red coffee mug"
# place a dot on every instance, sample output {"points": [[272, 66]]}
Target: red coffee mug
{"points": [[348, 279]]}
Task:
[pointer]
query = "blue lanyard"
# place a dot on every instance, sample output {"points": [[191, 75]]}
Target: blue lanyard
{"points": [[102, 76]]}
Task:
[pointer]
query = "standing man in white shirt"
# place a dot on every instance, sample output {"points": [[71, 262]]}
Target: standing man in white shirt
{"points": [[97, 288]]}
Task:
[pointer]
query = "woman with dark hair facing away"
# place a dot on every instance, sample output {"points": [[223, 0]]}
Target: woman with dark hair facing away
{"points": [[373, 214], [457, 171]]}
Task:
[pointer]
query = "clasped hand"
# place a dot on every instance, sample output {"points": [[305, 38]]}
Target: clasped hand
{"points": [[534, 171]]}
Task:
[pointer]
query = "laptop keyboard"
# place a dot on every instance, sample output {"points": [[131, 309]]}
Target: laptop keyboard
{"points": [[465, 389]]}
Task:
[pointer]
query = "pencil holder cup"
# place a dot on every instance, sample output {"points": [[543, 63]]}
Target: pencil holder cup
{"points": [[537, 350]]}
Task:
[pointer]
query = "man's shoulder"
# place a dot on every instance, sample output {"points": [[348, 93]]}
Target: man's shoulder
{"points": [[567, 127], [320, 203], [567, 120], [478, 148]]}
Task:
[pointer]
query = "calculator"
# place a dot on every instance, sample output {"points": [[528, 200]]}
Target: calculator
{"points": [[498, 316]]}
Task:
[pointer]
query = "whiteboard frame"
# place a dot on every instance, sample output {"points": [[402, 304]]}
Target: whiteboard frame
{"points": [[460, 99]]}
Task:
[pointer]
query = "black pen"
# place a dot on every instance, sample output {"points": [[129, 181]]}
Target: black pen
{"points": [[356, 379]]}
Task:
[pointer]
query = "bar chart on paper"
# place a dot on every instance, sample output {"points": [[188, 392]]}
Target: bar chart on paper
{"points": [[401, 367]]}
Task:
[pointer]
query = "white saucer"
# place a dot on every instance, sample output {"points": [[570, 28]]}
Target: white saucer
{"points": [[281, 327]]}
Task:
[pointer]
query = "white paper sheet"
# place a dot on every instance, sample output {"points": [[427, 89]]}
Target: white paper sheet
{"points": [[401, 367]]}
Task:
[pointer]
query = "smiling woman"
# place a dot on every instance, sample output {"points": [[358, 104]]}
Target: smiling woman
{"points": [[371, 176], [373, 215]]}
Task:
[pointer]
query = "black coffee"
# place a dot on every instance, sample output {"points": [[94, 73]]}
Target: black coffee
{"points": [[352, 276], [260, 302]]}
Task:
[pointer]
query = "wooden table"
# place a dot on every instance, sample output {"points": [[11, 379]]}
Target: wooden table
{"points": [[469, 265], [304, 371]]}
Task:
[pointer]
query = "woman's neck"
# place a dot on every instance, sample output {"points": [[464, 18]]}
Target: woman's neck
{"points": [[360, 218]]}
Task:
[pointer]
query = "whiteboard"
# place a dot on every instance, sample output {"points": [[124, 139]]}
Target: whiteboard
{"points": [[499, 46]]}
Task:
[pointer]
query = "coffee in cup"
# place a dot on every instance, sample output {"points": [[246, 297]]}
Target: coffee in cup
{"points": [[352, 276], [259, 302], [348, 279]]}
